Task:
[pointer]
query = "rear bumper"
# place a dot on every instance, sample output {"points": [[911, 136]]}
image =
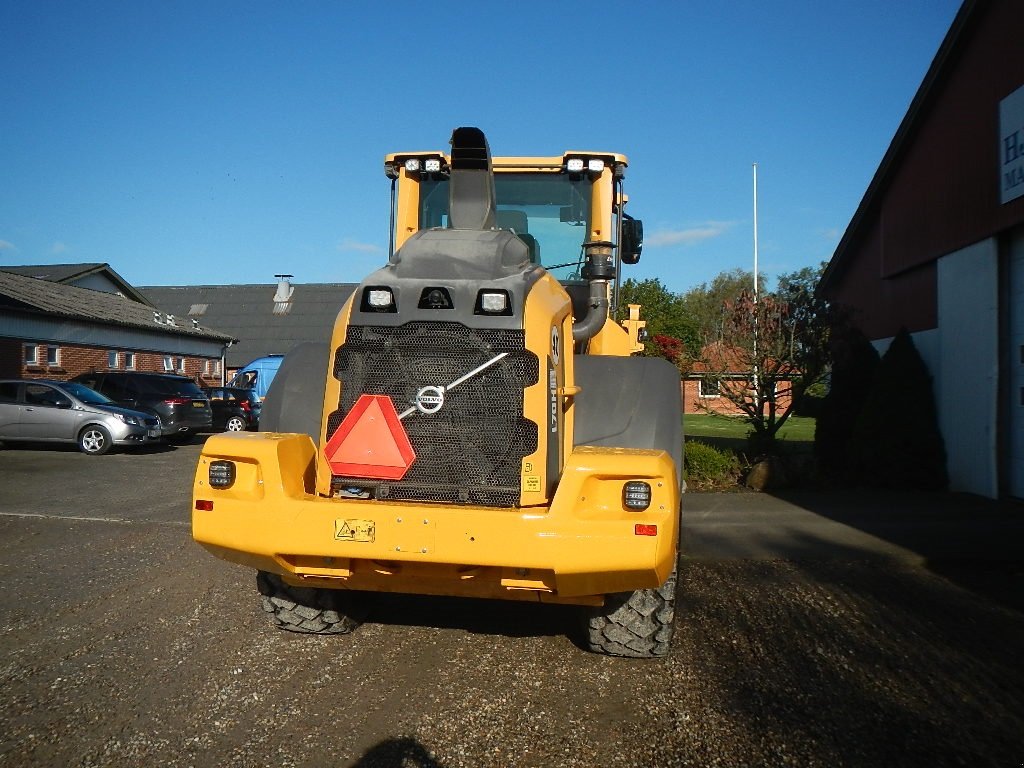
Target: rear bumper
{"points": [[584, 545]]}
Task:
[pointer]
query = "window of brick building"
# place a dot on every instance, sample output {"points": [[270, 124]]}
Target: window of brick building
{"points": [[709, 388], [112, 359], [53, 355], [168, 363], [129, 360], [31, 354]]}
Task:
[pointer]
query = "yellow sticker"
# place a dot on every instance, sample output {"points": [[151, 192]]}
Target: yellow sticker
{"points": [[531, 483], [355, 530]]}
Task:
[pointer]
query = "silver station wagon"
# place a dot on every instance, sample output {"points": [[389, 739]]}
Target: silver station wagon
{"points": [[39, 410]]}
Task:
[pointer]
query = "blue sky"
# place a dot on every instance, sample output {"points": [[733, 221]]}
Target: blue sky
{"points": [[224, 142]]}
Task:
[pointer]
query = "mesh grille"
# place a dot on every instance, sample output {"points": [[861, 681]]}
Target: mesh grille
{"points": [[469, 452]]}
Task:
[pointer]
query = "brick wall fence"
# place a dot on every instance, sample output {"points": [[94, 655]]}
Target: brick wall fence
{"points": [[65, 361]]}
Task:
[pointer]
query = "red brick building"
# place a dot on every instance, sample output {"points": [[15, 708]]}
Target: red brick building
{"points": [[52, 329]]}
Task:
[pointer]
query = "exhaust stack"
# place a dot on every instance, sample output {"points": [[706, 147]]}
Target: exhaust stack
{"points": [[471, 197]]}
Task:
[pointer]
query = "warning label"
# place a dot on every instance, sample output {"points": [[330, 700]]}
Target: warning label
{"points": [[354, 530]]}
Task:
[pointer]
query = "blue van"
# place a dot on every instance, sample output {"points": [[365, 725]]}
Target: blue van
{"points": [[257, 375]]}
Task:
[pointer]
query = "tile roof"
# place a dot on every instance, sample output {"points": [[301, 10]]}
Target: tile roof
{"points": [[70, 273], [30, 294], [249, 313]]}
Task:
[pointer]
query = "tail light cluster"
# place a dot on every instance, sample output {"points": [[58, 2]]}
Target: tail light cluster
{"points": [[177, 400]]}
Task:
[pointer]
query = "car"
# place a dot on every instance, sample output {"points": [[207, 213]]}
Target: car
{"points": [[179, 402], [235, 409], [41, 410]]}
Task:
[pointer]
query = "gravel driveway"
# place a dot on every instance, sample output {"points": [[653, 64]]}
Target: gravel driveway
{"points": [[123, 643]]}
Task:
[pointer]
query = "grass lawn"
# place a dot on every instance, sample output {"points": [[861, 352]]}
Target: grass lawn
{"points": [[730, 432]]}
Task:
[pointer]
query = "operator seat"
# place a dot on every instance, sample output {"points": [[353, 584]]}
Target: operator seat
{"points": [[517, 222]]}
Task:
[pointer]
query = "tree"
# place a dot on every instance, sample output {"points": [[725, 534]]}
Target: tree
{"points": [[768, 350], [664, 313], [704, 304]]}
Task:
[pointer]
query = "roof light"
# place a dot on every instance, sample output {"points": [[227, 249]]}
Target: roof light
{"points": [[595, 165], [574, 165], [636, 494], [433, 165], [412, 165]]}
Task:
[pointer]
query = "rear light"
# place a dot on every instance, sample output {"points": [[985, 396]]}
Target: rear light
{"points": [[645, 530], [222, 474], [204, 505], [244, 405], [636, 494], [177, 400]]}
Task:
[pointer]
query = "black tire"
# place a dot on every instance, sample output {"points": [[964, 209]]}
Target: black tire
{"points": [[636, 624], [309, 610], [235, 424], [95, 440]]}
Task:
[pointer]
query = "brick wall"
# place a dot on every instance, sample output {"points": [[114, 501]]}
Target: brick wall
{"points": [[71, 360], [694, 403]]}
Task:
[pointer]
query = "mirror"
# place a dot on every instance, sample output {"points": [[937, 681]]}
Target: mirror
{"points": [[632, 239], [63, 402]]}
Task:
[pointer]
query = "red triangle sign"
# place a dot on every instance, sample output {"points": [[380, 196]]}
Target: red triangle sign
{"points": [[370, 442]]}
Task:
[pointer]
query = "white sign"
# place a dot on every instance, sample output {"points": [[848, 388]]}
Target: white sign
{"points": [[1011, 146]]}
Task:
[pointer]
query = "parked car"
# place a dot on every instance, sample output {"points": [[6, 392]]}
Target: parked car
{"points": [[234, 409], [178, 401], [39, 410]]}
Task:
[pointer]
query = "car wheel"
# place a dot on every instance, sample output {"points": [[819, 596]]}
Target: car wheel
{"points": [[94, 440], [235, 424]]}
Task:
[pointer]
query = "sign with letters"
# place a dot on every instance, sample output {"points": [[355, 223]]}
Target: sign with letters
{"points": [[1011, 146]]}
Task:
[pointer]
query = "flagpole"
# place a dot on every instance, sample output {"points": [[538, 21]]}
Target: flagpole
{"points": [[757, 387]]}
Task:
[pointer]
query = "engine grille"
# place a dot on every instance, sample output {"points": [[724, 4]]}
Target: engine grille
{"points": [[469, 452]]}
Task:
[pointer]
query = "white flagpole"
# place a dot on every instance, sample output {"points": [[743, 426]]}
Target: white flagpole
{"points": [[757, 389]]}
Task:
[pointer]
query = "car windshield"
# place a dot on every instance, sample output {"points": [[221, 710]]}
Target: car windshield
{"points": [[550, 210], [86, 395]]}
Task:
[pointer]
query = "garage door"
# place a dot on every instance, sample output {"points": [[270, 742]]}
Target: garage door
{"points": [[1015, 407]]}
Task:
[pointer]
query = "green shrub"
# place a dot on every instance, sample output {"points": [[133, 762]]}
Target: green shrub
{"points": [[705, 467]]}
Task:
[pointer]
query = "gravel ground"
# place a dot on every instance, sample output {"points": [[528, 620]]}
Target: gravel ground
{"points": [[124, 643]]}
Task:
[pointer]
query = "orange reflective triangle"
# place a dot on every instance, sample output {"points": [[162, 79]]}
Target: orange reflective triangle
{"points": [[370, 441]]}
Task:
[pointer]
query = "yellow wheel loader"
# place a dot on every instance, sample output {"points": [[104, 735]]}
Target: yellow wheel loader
{"points": [[477, 425]]}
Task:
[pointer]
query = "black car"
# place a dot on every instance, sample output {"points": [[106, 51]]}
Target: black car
{"points": [[234, 409], [178, 401]]}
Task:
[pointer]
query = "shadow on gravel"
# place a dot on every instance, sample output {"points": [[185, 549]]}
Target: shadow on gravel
{"points": [[974, 542], [397, 753], [473, 615], [853, 662]]}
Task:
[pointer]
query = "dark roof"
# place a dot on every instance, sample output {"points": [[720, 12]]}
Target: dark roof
{"points": [[29, 294], [250, 314], [69, 273], [941, 65]]}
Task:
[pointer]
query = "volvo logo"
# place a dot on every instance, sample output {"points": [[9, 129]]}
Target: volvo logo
{"points": [[429, 399]]}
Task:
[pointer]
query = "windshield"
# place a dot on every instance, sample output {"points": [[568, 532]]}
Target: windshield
{"points": [[86, 395], [549, 211]]}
